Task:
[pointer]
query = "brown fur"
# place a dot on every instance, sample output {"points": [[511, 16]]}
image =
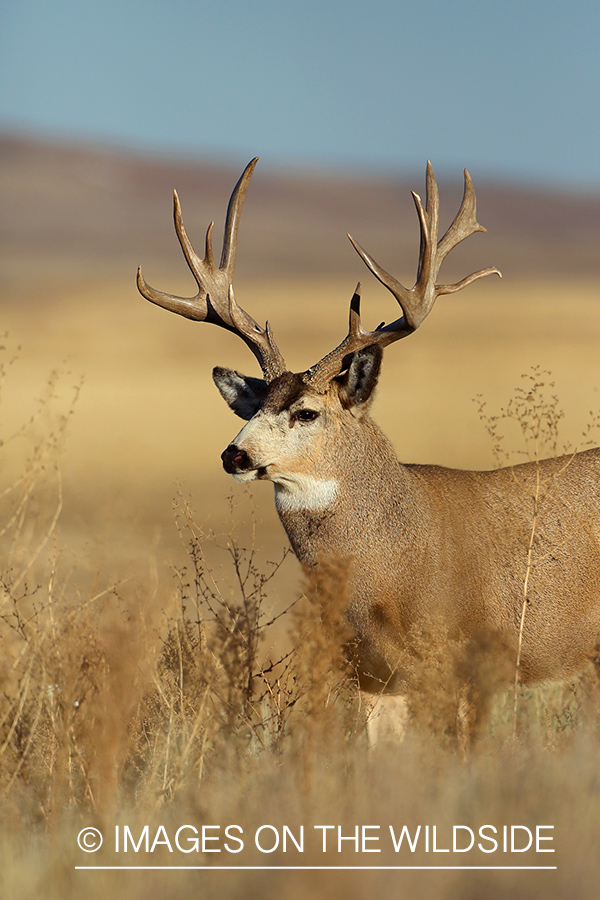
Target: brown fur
{"points": [[427, 543]]}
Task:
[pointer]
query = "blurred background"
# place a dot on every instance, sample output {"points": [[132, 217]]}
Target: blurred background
{"points": [[105, 108]]}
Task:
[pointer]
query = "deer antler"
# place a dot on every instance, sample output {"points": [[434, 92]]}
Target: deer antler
{"points": [[214, 301], [417, 302]]}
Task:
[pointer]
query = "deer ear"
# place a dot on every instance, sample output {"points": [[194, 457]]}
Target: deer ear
{"points": [[243, 394], [358, 383]]}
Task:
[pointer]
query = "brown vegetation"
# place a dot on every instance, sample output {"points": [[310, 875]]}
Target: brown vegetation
{"points": [[197, 700]]}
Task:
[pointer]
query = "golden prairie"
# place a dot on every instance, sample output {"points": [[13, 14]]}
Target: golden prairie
{"points": [[149, 416], [140, 683]]}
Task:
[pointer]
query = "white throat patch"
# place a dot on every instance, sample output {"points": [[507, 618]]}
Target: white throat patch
{"points": [[295, 492]]}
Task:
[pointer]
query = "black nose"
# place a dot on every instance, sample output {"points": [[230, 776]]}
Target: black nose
{"points": [[235, 460]]}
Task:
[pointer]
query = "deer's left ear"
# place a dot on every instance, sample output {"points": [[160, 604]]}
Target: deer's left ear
{"points": [[359, 382]]}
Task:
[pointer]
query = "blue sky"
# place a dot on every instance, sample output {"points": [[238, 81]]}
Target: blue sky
{"points": [[507, 88]]}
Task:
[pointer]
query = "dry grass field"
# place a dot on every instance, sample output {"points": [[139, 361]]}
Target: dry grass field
{"points": [[143, 679]]}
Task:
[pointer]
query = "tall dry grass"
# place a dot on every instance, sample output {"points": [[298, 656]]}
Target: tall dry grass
{"points": [[196, 699]]}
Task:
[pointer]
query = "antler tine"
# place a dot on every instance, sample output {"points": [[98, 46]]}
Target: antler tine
{"points": [[215, 302], [416, 303], [429, 219], [319, 375], [401, 293], [463, 226], [232, 219], [208, 251], [465, 221], [198, 267], [183, 306]]}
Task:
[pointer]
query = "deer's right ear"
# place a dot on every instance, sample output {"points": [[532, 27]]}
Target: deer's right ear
{"points": [[243, 394]]}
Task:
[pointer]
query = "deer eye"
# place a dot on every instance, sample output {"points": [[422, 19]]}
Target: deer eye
{"points": [[305, 415]]}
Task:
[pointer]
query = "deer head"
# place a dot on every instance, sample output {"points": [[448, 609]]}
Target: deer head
{"points": [[295, 420]]}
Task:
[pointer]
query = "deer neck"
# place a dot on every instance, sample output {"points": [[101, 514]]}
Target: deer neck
{"points": [[337, 510]]}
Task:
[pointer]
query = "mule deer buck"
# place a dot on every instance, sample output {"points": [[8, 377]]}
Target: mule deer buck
{"points": [[421, 542]]}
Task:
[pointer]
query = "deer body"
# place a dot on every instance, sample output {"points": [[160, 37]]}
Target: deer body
{"points": [[420, 544], [428, 543]]}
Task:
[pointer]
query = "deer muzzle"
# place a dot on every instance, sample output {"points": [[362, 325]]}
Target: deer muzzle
{"points": [[235, 460]]}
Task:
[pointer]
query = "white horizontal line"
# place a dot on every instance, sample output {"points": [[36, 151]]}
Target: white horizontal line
{"points": [[327, 868]]}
